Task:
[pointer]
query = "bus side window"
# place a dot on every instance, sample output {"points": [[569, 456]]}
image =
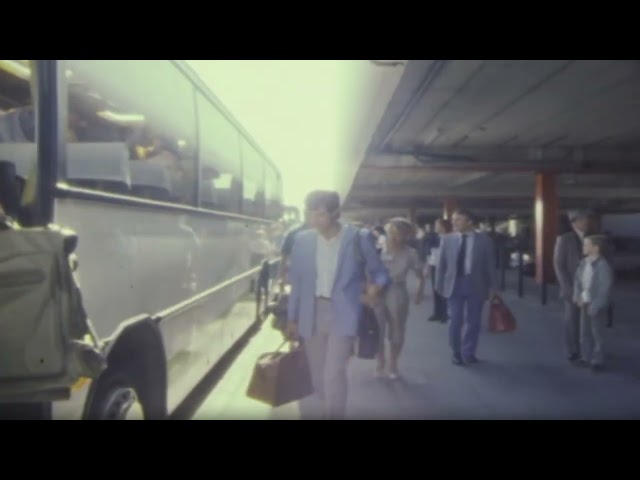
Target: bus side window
{"points": [[17, 134], [273, 192], [220, 167], [126, 102], [253, 165]]}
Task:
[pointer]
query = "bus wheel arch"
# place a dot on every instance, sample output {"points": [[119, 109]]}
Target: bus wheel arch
{"points": [[132, 380]]}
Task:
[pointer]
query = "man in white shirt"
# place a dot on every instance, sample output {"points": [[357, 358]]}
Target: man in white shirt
{"points": [[330, 265]]}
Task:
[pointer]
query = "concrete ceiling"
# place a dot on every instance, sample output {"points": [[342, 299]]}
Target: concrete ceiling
{"points": [[478, 131]]}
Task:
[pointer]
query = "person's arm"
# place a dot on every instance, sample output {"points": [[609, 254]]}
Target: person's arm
{"points": [[285, 254], [293, 307], [284, 269], [560, 267], [577, 285], [378, 274], [605, 285], [441, 267], [491, 267], [418, 267]]}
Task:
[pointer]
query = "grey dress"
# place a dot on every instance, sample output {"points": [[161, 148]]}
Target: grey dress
{"points": [[393, 309]]}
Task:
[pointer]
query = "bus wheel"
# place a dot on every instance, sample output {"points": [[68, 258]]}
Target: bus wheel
{"points": [[117, 399]]}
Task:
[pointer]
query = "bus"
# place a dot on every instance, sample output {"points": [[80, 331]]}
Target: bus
{"points": [[172, 202]]}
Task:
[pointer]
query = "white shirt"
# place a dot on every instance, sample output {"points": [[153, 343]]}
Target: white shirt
{"points": [[434, 257], [468, 258], [587, 279], [327, 263]]}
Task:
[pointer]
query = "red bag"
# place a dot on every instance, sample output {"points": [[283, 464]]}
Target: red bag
{"points": [[501, 319]]}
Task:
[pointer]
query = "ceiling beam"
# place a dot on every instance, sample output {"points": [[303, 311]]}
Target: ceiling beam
{"points": [[505, 167], [465, 180], [400, 193], [435, 212], [426, 71], [511, 159], [523, 211]]}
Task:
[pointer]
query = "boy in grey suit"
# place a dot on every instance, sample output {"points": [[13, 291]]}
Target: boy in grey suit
{"points": [[592, 294]]}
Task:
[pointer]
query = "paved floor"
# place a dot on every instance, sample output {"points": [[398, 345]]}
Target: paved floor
{"points": [[522, 375]]}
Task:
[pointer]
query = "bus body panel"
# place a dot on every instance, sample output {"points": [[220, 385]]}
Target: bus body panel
{"points": [[138, 260], [158, 258]]}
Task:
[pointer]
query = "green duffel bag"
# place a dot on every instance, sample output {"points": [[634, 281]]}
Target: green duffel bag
{"points": [[46, 340]]}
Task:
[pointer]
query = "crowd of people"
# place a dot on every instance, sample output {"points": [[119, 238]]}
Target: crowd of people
{"points": [[334, 268]]}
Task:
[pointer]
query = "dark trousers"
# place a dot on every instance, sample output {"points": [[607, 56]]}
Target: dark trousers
{"points": [[439, 302], [464, 296]]}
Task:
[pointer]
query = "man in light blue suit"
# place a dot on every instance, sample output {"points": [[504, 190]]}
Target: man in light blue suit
{"points": [[466, 276], [328, 271]]}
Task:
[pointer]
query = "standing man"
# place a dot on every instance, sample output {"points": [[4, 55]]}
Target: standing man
{"points": [[328, 272], [466, 276], [567, 255], [443, 227]]}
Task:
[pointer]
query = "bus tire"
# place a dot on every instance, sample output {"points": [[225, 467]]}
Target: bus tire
{"points": [[136, 373], [116, 398]]}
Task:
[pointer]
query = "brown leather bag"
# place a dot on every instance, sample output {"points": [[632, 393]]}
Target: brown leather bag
{"points": [[281, 377]]}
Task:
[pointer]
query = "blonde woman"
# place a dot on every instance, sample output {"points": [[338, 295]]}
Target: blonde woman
{"points": [[393, 308]]}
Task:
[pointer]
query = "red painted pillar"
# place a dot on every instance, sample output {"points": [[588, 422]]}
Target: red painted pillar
{"points": [[546, 216], [450, 206]]}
